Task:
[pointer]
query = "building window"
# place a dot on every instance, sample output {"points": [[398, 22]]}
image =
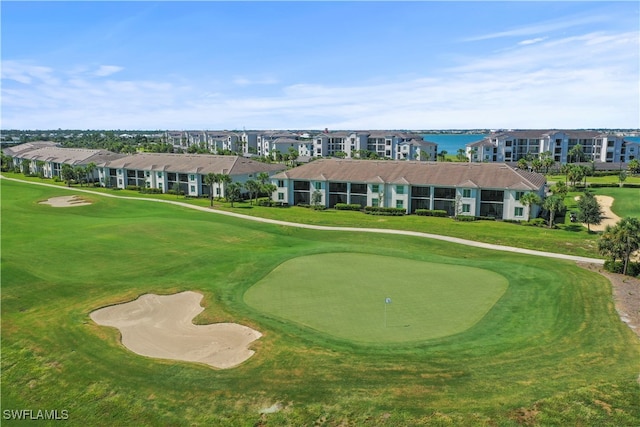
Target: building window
{"points": [[159, 174], [280, 196], [280, 183], [375, 188], [192, 178], [318, 186], [193, 189], [518, 212], [400, 204], [466, 208], [519, 194], [399, 189], [375, 202], [466, 193]]}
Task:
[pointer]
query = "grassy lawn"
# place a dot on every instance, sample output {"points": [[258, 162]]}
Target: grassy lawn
{"points": [[567, 238], [607, 179], [552, 349], [427, 300]]}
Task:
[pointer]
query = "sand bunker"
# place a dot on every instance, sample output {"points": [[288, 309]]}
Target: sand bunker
{"points": [[161, 326], [65, 202]]}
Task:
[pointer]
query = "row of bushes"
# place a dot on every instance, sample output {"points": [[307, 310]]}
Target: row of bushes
{"points": [[271, 203], [431, 212], [606, 184], [379, 210], [633, 268], [348, 207]]}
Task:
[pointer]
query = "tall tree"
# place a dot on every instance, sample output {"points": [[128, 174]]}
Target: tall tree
{"points": [[233, 192], [560, 188], [634, 166], [522, 163], [253, 187], [528, 200], [621, 240], [590, 211], [575, 174], [89, 169], [575, 153], [443, 155], [553, 204], [210, 179], [224, 180], [67, 174], [461, 155]]}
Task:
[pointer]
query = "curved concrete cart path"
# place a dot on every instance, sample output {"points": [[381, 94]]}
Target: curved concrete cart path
{"points": [[352, 229], [161, 326]]}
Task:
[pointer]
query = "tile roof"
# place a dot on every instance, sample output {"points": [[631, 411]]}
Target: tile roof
{"points": [[71, 156], [194, 163], [483, 175]]}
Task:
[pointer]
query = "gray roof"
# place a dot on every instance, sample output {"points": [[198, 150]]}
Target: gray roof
{"points": [[193, 163], [483, 175], [71, 156], [28, 146]]}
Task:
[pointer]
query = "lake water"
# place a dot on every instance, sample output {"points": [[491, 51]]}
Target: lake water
{"points": [[452, 142]]}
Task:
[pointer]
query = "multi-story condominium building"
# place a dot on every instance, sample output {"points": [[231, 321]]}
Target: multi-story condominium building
{"points": [[511, 146], [213, 141], [148, 170], [384, 144], [476, 189]]}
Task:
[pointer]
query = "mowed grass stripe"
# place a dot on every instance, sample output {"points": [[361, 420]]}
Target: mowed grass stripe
{"points": [[344, 295]]}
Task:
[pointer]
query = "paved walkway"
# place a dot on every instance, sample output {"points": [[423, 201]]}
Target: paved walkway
{"points": [[328, 228]]}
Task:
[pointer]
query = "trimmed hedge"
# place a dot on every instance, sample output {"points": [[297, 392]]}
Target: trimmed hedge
{"points": [[466, 218], [271, 204], [430, 212], [633, 268], [347, 207], [379, 210], [631, 185]]}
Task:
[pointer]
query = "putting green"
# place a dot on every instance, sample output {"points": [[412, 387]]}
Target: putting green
{"points": [[345, 295]]}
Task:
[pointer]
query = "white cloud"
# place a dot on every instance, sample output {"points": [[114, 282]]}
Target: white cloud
{"points": [[532, 41], [589, 80], [107, 70]]}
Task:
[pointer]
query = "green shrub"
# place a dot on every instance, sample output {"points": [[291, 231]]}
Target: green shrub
{"points": [[603, 184], [150, 191], [536, 222], [303, 205], [347, 207], [486, 218], [379, 210], [465, 218], [132, 188], [430, 212], [633, 268], [629, 185]]}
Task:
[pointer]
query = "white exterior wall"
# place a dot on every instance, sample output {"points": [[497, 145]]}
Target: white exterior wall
{"points": [[473, 201], [395, 196]]}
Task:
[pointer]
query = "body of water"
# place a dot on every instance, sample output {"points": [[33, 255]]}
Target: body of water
{"points": [[452, 142]]}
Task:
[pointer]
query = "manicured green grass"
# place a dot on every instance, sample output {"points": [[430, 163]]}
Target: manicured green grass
{"points": [[607, 179], [626, 201], [568, 238], [345, 295], [552, 346]]}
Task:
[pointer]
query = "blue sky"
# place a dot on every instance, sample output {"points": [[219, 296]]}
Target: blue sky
{"points": [[315, 65]]}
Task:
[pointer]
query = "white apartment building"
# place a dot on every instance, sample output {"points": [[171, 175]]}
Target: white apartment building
{"points": [[511, 146]]}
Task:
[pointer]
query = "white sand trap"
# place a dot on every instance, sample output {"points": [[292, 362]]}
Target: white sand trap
{"points": [[161, 326], [65, 202]]}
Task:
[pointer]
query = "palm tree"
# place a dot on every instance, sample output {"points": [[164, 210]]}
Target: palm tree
{"points": [[461, 155], [621, 240], [253, 187], [443, 155], [233, 192], [210, 179], [91, 166], [553, 204], [223, 180], [528, 200]]}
